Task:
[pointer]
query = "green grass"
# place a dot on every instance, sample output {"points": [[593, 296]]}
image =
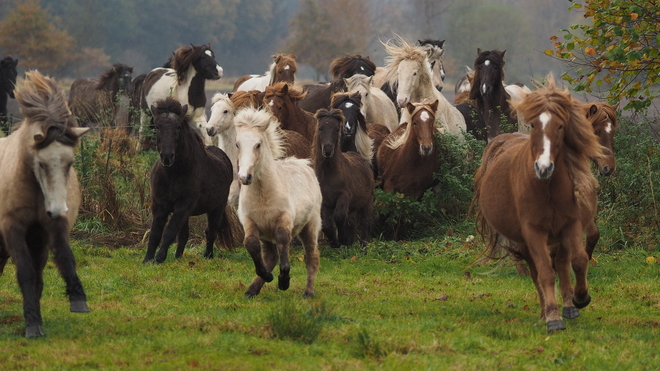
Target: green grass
{"points": [[394, 306]]}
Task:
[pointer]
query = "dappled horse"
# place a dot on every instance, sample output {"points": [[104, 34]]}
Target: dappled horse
{"points": [[280, 199], [188, 179], [96, 101], [8, 75], [40, 195], [408, 157], [283, 68], [521, 181], [191, 65], [319, 95], [346, 180], [281, 100], [376, 105]]}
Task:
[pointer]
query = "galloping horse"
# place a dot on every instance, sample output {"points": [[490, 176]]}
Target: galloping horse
{"points": [[40, 195], [188, 179], [280, 199], [8, 75], [377, 107], [537, 191], [191, 67], [346, 180], [408, 157], [96, 101], [283, 69]]}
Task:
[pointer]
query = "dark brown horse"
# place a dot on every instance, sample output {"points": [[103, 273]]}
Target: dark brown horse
{"points": [[8, 75], [96, 101], [188, 179], [283, 69], [521, 182], [280, 99], [346, 182], [341, 68], [408, 157]]}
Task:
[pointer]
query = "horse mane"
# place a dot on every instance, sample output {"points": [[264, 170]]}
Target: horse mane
{"points": [[295, 94], [363, 142], [333, 113], [395, 142], [433, 48], [494, 56], [604, 111], [580, 142], [220, 96], [399, 50], [184, 56], [358, 80], [265, 123], [287, 58], [345, 66], [243, 99], [108, 76]]}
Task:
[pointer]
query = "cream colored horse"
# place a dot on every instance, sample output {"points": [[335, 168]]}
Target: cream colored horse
{"points": [[221, 124], [377, 107], [280, 199]]}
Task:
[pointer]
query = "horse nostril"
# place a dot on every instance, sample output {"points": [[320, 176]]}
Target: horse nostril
{"points": [[606, 170], [50, 214]]}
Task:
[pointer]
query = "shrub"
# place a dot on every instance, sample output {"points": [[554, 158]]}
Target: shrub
{"points": [[293, 322]]}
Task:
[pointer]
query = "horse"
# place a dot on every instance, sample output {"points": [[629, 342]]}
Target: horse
{"points": [[191, 66], [346, 180], [96, 101], [188, 179], [408, 69], [134, 103], [355, 136], [8, 75], [221, 124], [521, 181], [41, 195], [283, 68], [408, 157], [319, 96], [280, 199], [252, 98], [280, 99], [376, 105]]}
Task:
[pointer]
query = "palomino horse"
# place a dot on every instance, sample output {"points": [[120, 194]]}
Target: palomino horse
{"points": [[283, 69], [8, 75], [280, 199], [411, 144], [409, 70], [188, 179], [280, 99], [521, 181], [377, 107], [346, 180], [191, 67], [96, 101], [319, 96], [40, 195]]}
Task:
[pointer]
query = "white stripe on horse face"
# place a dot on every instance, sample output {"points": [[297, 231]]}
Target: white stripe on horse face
{"points": [[608, 128], [287, 67], [487, 62], [220, 70], [348, 105], [424, 116], [209, 53], [483, 87], [544, 160], [271, 103], [361, 68], [544, 118]]}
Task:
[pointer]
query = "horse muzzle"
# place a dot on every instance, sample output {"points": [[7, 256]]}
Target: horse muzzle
{"points": [[245, 179], [57, 212], [425, 150], [328, 151], [167, 160], [210, 132], [544, 172]]}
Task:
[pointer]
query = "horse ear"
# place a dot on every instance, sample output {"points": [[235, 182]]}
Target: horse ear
{"points": [[502, 55], [371, 80], [410, 107], [78, 131], [434, 106], [277, 57], [184, 109], [285, 89], [593, 109], [478, 51], [441, 43], [616, 106], [229, 95]]}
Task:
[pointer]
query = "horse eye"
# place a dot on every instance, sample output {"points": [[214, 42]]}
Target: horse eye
{"points": [[415, 74], [532, 125], [226, 111], [237, 146], [42, 166], [561, 127], [258, 146]]}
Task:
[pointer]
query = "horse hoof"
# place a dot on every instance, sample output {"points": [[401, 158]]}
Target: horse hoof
{"points": [[283, 282], [34, 331], [308, 295], [583, 304], [555, 325], [249, 295], [79, 306], [570, 312]]}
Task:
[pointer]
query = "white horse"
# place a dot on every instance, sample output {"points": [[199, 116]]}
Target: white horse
{"points": [[377, 107], [280, 199], [409, 70], [221, 125]]}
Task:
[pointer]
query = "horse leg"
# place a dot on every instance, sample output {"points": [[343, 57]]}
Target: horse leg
{"points": [[177, 220], [580, 263], [309, 238], [253, 246], [214, 218], [562, 265], [14, 239], [66, 263], [156, 232], [593, 235], [341, 219], [182, 239], [366, 214], [328, 226], [282, 243], [270, 260]]}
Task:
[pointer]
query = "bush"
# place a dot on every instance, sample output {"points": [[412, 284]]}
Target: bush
{"points": [[294, 322]]}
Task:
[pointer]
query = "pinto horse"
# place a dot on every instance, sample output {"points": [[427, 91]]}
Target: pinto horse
{"points": [[8, 75], [41, 195], [280, 199], [188, 179], [346, 180], [96, 101], [191, 66], [409, 157], [519, 185], [283, 69]]}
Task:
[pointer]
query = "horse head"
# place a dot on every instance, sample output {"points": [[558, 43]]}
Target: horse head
{"points": [[603, 119], [361, 84], [169, 119], [222, 114], [435, 51], [328, 135], [423, 125], [258, 140], [124, 75], [488, 73], [280, 99], [351, 106], [201, 57], [285, 68], [8, 75]]}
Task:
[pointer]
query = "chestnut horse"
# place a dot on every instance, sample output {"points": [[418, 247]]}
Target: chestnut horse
{"points": [[408, 157], [283, 69], [346, 180], [521, 181], [281, 100], [40, 195]]}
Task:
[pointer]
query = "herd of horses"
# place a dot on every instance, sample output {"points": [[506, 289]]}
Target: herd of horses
{"points": [[293, 162]]}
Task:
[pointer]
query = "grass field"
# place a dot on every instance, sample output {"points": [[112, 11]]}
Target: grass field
{"points": [[393, 306]]}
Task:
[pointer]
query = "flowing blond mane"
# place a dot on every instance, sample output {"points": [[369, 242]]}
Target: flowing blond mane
{"points": [[264, 123], [399, 50]]}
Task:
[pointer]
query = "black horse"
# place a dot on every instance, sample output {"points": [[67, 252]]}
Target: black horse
{"points": [[188, 179], [7, 82]]}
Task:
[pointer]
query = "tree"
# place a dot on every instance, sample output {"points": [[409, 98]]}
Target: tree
{"points": [[28, 33], [618, 48]]}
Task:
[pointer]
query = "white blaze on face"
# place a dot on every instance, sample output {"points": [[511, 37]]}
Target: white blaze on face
{"points": [[271, 103], [51, 168], [424, 116], [287, 67], [544, 159], [246, 142], [483, 88], [608, 128]]}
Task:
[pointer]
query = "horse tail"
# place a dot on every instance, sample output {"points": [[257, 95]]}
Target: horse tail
{"points": [[230, 231]]}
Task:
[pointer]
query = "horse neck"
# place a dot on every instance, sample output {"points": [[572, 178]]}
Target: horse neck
{"points": [[266, 180], [188, 151], [227, 142], [111, 85], [196, 89]]}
